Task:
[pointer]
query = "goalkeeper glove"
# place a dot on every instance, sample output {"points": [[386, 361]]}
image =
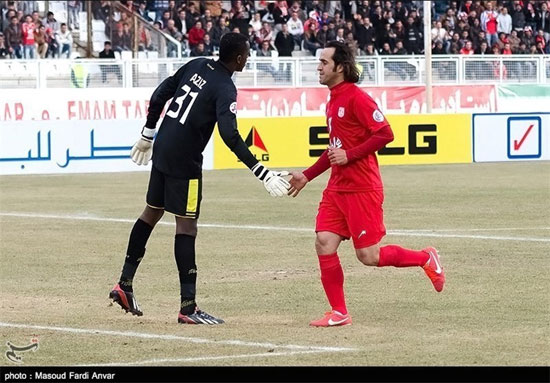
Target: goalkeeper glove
{"points": [[273, 182], [143, 148]]}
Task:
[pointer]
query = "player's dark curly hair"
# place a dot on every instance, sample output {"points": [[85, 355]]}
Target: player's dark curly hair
{"points": [[344, 56], [231, 45]]}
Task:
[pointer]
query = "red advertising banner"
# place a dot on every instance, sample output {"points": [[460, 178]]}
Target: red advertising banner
{"points": [[392, 100], [124, 104]]}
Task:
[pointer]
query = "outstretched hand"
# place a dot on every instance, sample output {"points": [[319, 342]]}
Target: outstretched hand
{"points": [[297, 183]]}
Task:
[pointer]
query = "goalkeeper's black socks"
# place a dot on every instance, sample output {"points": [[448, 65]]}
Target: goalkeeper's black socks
{"points": [[184, 250], [135, 252]]}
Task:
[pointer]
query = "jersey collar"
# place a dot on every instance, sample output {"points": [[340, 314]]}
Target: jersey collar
{"points": [[224, 67], [340, 88]]}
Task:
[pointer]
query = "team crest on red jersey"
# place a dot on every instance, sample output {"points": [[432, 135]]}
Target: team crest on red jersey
{"points": [[341, 112]]}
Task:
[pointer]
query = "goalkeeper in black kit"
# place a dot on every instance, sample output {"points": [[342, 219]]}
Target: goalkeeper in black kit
{"points": [[202, 94]]}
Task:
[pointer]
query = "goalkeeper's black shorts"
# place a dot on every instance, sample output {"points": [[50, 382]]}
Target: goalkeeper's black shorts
{"points": [[181, 197]]}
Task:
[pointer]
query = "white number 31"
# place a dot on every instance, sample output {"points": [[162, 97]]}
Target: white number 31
{"points": [[179, 101]]}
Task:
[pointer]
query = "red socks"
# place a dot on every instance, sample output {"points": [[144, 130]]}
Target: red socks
{"points": [[332, 278], [393, 255]]}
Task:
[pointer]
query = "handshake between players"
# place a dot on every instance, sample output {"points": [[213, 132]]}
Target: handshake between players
{"points": [[273, 181]]}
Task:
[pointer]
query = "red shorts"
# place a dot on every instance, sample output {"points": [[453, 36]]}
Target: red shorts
{"points": [[353, 215]]}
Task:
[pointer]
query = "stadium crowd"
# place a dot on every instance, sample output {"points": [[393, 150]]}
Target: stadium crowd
{"points": [[369, 27]]}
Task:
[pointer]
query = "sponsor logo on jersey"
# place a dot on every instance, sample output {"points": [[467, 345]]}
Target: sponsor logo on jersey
{"points": [[233, 107], [377, 116], [341, 111], [335, 143]]}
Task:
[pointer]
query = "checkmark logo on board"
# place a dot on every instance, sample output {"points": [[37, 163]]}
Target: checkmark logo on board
{"points": [[517, 145]]}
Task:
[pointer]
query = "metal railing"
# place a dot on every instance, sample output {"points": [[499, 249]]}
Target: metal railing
{"points": [[148, 71]]}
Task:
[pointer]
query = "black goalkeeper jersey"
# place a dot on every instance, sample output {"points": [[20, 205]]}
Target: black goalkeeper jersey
{"points": [[202, 94]]}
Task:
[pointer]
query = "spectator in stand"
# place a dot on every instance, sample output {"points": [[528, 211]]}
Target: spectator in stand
{"points": [[528, 36], [414, 42], [36, 19], [158, 6], [53, 46], [540, 48], [193, 15], [467, 49], [475, 26], [102, 11], [241, 16], [514, 40], [325, 19], [166, 16], [502, 40], [399, 48], [284, 42], [280, 14], [296, 28], [144, 42], [208, 46], [108, 53], [489, 23], [539, 38], [518, 18], [142, 11], [4, 53], [219, 30], [51, 22], [206, 17], [311, 20], [41, 41], [352, 43], [181, 22], [199, 50], [311, 43], [265, 34], [27, 7], [322, 35], [256, 22], [172, 50], [543, 20], [172, 9], [504, 21], [483, 49], [266, 51], [196, 35], [439, 33], [209, 29], [27, 32], [439, 49], [340, 37], [73, 14], [400, 12], [64, 40]]}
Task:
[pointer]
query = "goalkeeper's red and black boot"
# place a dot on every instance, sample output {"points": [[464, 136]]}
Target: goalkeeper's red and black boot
{"points": [[198, 317], [126, 300]]}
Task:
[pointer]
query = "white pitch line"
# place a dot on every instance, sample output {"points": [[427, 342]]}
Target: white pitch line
{"points": [[492, 237], [205, 358], [174, 337], [406, 233], [479, 229]]}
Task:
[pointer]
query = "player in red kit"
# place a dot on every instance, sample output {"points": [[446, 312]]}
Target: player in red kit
{"points": [[351, 206]]}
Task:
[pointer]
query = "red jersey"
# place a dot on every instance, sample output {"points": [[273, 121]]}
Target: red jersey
{"points": [[27, 30], [352, 117]]}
